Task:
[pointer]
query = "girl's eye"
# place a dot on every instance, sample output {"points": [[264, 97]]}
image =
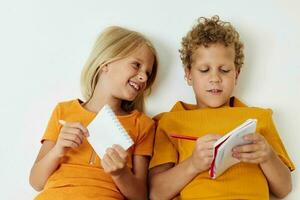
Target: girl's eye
{"points": [[148, 74], [136, 65]]}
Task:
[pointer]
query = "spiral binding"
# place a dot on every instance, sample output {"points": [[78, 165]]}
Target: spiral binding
{"points": [[117, 123]]}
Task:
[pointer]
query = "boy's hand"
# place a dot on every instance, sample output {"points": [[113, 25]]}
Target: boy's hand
{"points": [[114, 161], [71, 136], [258, 152], [203, 153]]}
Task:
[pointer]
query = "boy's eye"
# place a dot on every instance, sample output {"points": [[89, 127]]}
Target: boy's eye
{"points": [[225, 70], [203, 70]]}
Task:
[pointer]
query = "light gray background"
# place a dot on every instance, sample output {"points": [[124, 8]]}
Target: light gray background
{"points": [[44, 45]]}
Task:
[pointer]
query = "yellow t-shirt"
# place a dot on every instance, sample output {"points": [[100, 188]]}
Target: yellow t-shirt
{"points": [[80, 175], [241, 181]]}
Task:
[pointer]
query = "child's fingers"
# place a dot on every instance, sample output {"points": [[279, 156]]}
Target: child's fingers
{"points": [[254, 157], [253, 137], [106, 164], [72, 131], [115, 157], [206, 153], [122, 152], [109, 163], [69, 143], [75, 125], [72, 137], [209, 145], [209, 137], [205, 145], [247, 148]]}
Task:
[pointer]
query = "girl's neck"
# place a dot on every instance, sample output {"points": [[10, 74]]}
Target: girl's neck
{"points": [[96, 103]]}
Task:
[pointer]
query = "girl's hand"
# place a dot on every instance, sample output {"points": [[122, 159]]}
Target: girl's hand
{"points": [[203, 153], [258, 152], [71, 136], [114, 161]]}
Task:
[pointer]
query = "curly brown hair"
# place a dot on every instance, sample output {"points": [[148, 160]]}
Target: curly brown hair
{"points": [[211, 31]]}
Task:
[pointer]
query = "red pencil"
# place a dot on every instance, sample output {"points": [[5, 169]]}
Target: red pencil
{"points": [[184, 137]]}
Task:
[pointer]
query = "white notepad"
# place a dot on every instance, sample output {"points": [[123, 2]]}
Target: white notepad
{"points": [[106, 130], [223, 147]]}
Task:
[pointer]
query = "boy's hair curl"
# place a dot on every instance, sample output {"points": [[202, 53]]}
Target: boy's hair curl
{"points": [[211, 31]]}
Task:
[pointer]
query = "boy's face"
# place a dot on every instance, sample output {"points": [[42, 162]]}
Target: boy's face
{"points": [[212, 75]]}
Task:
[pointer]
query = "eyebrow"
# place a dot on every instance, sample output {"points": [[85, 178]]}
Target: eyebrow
{"points": [[138, 59]]}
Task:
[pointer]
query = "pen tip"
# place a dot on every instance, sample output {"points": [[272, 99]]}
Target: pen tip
{"points": [[62, 122]]}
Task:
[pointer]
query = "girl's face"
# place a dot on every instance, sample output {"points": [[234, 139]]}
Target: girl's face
{"points": [[128, 77], [212, 75]]}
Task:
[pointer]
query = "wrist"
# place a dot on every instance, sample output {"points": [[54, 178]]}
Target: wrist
{"points": [[191, 168], [270, 159], [56, 153]]}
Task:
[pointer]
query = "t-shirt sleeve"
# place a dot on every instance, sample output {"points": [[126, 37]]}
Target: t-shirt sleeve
{"points": [[53, 127], [272, 136], [164, 151], [144, 143]]}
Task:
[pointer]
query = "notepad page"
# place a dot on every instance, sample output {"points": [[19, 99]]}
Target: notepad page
{"points": [[223, 158], [106, 130]]}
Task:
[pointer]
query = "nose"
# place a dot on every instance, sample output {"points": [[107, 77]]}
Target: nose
{"points": [[215, 78], [142, 76]]}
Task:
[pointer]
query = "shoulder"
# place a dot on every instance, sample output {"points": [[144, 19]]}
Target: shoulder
{"points": [[142, 124], [253, 112], [67, 105], [262, 111], [238, 104], [144, 119], [176, 110]]}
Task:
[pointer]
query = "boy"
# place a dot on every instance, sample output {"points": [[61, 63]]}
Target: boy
{"points": [[212, 54]]}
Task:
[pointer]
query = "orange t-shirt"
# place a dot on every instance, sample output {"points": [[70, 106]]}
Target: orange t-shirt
{"points": [[80, 175], [241, 181]]}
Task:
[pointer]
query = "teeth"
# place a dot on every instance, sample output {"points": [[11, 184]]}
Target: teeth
{"points": [[133, 84], [215, 90]]}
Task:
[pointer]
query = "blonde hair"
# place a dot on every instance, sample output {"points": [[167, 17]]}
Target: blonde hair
{"points": [[211, 31], [115, 43]]}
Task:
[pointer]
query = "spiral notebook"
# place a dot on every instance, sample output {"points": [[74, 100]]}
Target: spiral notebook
{"points": [[223, 147], [106, 130]]}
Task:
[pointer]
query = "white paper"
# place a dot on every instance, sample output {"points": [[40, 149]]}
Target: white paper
{"points": [[223, 157], [106, 130]]}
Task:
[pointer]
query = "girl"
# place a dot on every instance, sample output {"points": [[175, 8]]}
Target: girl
{"points": [[121, 67]]}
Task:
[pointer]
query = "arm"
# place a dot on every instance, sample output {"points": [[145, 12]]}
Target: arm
{"points": [[278, 176], [260, 152], [49, 157], [167, 180], [131, 183], [164, 179], [46, 163]]}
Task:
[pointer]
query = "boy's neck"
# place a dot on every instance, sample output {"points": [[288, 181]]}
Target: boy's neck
{"points": [[229, 103]]}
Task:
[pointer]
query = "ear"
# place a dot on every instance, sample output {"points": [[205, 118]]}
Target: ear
{"points": [[104, 68], [188, 75]]}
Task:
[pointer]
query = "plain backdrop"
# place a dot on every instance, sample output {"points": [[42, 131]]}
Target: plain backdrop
{"points": [[44, 45]]}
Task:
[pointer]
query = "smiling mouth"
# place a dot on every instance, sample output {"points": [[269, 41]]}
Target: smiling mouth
{"points": [[134, 85]]}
